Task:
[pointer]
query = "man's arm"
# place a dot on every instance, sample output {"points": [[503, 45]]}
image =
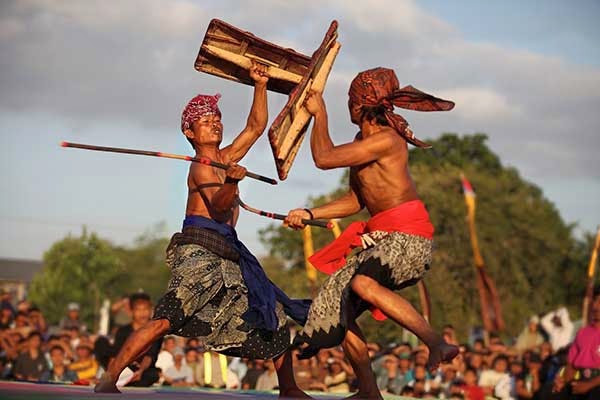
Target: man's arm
{"points": [[326, 155], [348, 204], [257, 120]]}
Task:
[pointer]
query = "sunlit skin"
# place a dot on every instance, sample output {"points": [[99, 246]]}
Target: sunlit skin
{"points": [[379, 180]]}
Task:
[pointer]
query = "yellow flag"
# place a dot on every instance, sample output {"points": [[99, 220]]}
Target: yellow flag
{"points": [[311, 271]]}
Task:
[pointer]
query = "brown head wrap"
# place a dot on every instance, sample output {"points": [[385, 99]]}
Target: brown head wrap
{"points": [[380, 87]]}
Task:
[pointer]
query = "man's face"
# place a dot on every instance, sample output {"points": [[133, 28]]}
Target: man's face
{"points": [[355, 112], [191, 356], [57, 356], [500, 365], [208, 130], [141, 312], [73, 314], [83, 353], [34, 342], [170, 344]]}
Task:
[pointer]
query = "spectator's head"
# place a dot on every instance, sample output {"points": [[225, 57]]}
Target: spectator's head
{"points": [[449, 334], [73, 311], [419, 372], [390, 362], [193, 342], [404, 361], [169, 344], [545, 350], [475, 360], [34, 340], [421, 357], [23, 306], [259, 364], [478, 345], [6, 312], [500, 364], [533, 324], [57, 355], [141, 308], [556, 321], [73, 332], [269, 366], [516, 368], [84, 351], [334, 366], [178, 356], [470, 376], [191, 355], [407, 391], [448, 373], [419, 387], [21, 320], [534, 362]]}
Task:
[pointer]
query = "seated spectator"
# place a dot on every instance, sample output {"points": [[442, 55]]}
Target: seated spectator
{"points": [[391, 379], [59, 371], [71, 320], [85, 365], [165, 356], [255, 369], [31, 363], [470, 389], [421, 383], [494, 380], [235, 373], [179, 374], [191, 359], [212, 370], [528, 383], [530, 338], [268, 379], [6, 316]]}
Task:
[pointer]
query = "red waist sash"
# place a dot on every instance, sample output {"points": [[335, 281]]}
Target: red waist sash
{"points": [[410, 217]]}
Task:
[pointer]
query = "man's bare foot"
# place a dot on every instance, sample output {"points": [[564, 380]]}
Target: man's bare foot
{"points": [[373, 394], [295, 393], [106, 385], [442, 353]]}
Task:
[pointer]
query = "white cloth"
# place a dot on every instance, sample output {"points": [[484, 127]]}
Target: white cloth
{"points": [[560, 336], [164, 360], [183, 374], [267, 381]]}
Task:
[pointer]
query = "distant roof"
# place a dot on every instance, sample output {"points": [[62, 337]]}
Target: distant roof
{"points": [[19, 270]]}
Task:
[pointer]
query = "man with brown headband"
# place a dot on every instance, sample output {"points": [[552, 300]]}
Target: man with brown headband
{"points": [[218, 290], [397, 240]]}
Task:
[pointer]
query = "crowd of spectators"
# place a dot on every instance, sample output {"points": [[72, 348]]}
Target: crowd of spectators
{"points": [[531, 366]]}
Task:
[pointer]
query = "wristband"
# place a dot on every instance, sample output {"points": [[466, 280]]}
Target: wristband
{"points": [[310, 213]]}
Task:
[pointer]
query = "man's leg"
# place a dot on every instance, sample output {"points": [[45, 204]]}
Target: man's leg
{"points": [[403, 313], [285, 375], [135, 345], [355, 348]]}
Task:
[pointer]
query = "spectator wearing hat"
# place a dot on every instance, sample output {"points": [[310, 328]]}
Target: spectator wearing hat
{"points": [[86, 365], [59, 371], [179, 374], [71, 320], [530, 338]]}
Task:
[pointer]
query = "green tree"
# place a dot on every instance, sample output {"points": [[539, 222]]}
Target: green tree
{"points": [[530, 252], [84, 269]]}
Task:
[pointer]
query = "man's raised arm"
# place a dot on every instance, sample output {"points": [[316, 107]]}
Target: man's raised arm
{"points": [[327, 156], [257, 119]]}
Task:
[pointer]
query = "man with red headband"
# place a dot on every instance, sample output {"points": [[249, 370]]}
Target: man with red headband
{"points": [[218, 291], [397, 240]]}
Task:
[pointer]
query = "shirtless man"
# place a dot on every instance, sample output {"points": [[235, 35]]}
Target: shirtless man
{"points": [[218, 290], [398, 237]]}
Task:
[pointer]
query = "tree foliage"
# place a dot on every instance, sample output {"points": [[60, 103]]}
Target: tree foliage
{"points": [[530, 252]]}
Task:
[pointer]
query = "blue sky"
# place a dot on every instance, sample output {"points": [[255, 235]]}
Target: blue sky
{"points": [[526, 73]]}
